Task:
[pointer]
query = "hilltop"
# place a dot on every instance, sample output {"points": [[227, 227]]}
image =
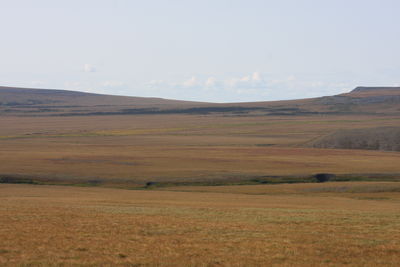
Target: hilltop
{"points": [[364, 89]]}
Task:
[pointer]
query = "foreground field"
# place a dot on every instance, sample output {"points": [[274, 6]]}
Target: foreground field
{"points": [[330, 224]]}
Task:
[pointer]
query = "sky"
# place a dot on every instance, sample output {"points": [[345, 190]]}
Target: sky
{"points": [[204, 50]]}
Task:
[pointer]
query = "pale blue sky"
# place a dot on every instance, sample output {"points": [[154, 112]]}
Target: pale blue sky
{"points": [[206, 50]]}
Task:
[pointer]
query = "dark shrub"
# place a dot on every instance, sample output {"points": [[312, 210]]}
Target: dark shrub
{"points": [[148, 184], [94, 182], [324, 177], [15, 180]]}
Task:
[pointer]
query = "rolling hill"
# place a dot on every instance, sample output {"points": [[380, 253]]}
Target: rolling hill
{"points": [[43, 102], [27, 101]]}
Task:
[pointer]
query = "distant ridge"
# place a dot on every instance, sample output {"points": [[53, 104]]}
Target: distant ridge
{"points": [[369, 89], [16, 96], [48, 102]]}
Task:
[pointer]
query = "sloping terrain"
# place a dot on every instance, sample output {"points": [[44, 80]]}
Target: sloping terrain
{"points": [[361, 100], [380, 138], [373, 100], [364, 90], [26, 101], [41, 102]]}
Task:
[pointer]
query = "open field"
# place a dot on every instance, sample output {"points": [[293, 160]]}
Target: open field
{"points": [[66, 137], [285, 225], [141, 148], [177, 220]]}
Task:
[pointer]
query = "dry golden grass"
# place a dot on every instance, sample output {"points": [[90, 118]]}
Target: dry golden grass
{"points": [[288, 225], [329, 224], [182, 147], [327, 188]]}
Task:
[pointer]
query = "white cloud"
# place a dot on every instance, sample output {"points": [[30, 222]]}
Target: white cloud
{"points": [[253, 81], [291, 78], [252, 87], [155, 83], [210, 82], [245, 79], [251, 84], [192, 82], [256, 76], [89, 68]]}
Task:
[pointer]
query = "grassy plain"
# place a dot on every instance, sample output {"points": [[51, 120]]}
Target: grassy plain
{"points": [[330, 224], [309, 224], [139, 148]]}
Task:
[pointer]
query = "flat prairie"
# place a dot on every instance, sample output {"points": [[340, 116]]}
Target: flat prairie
{"points": [[136, 149], [329, 224], [169, 217]]}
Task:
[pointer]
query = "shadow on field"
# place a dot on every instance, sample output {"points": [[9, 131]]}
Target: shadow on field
{"points": [[139, 185]]}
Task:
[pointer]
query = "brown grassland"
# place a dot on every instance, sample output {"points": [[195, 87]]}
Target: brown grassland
{"points": [[329, 224], [141, 148], [108, 216]]}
